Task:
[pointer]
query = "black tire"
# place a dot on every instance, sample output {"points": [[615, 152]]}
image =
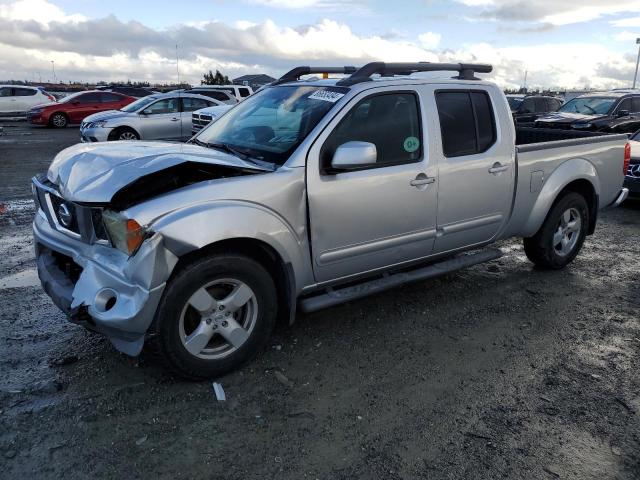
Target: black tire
{"points": [[167, 336], [58, 120], [540, 248], [119, 132]]}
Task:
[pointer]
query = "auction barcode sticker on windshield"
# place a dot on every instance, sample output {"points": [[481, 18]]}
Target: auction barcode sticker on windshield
{"points": [[327, 96]]}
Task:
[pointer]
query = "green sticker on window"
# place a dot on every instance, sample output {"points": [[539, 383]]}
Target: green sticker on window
{"points": [[411, 144]]}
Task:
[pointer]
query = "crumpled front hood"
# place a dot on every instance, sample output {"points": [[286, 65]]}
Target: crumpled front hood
{"points": [[568, 117], [93, 173], [108, 115]]}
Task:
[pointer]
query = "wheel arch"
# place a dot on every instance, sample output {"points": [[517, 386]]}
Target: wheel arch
{"points": [[576, 175], [263, 253], [120, 128]]}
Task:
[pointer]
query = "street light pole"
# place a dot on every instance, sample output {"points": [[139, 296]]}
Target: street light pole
{"points": [[53, 68], [635, 77]]}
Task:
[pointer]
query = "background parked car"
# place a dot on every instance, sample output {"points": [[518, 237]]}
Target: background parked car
{"points": [[219, 95], [202, 118], [137, 92], [616, 111], [74, 108], [239, 92], [632, 175], [19, 99], [527, 108], [163, 116]]}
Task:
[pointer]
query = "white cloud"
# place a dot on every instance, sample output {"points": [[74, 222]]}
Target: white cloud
{"points": [[429, 40], [552, 11], [627, 22], [628, 37], [40, 11], [108, 49]]}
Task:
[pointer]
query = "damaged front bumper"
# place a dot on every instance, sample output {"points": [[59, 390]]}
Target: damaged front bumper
{"points": [[100, 287]]}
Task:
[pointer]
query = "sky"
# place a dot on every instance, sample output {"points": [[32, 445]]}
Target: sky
{"points": [[559, 43]]}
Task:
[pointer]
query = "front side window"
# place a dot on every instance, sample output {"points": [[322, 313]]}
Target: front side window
{"points": [[88, 98], [110, 97], [467, 123], [624, 105], [168, 105], [528, 106], [269, 126], [390, 121], [139, 104]]}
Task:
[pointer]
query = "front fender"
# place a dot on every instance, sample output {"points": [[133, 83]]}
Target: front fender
{"points": [[567, 172], [194, 227]]}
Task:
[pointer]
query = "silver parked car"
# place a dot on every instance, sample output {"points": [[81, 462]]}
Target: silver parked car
{"points": [[306, 195], [155, 117]]}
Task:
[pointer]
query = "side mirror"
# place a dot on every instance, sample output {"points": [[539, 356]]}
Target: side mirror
{"points": [[144, 113], [352, 155], [622, 113]]}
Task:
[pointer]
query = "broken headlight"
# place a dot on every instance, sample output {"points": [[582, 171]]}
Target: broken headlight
{"points": [[125, 233]]}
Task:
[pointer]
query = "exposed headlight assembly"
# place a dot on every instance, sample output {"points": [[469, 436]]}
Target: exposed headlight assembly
{"points": [[125, 233]]}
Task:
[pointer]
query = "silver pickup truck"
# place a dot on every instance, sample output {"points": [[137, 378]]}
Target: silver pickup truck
{"points": [[306, 195]]}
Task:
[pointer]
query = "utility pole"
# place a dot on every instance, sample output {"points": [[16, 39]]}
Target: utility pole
{"points": [[177, 64], [635, 77], [53, 69]]}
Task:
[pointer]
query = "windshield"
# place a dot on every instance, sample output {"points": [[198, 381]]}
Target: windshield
{"points": [[270, 125], [589, 105], [138, 104], [514, 103]]}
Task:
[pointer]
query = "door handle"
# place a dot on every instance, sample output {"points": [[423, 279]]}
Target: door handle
{"points": [[175, 119], [498, 168], [421, 180]]}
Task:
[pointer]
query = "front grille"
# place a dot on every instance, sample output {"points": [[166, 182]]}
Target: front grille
{"points": [[78, 221], [67, 266], [66, 213], [199, 121]]}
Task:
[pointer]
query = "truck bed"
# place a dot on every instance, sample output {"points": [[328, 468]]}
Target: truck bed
{"points": [[529, 135]]}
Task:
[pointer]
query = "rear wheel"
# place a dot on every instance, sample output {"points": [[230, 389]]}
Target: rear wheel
{"points": [[58, 120], [216, 314], [562, 234]]}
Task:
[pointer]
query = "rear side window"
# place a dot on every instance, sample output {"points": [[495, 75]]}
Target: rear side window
{"points": [[467, 124], [244, 92], [89, 98], [6, 92], [216, 95], [636, 105], [390, 121], [191, 104], [24, 92]]}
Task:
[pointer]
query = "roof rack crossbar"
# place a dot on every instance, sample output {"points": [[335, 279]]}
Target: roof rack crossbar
{"points": [[466, 71], [295, 73]]}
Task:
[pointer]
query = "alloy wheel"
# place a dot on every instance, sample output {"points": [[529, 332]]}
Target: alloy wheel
{"points": [[567, 233]]}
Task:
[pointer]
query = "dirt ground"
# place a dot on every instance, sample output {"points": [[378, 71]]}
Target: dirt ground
{"points": [[498, 371]]}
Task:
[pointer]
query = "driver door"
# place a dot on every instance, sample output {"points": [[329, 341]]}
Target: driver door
{"points": [[382, 213]]}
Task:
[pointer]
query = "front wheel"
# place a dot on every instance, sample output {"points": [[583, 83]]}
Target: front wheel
{"points": [[59, 120], [215, 314], [562, 234]]}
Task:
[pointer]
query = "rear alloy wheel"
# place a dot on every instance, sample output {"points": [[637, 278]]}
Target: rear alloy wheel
{"points": [[59, 120], [562, 234], [216, 314]]}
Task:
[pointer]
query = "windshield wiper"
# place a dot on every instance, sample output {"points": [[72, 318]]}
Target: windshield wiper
{"points": [[233, 151], [587, 106]]}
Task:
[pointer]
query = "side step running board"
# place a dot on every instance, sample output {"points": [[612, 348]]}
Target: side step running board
{"points": [[333, 297]]}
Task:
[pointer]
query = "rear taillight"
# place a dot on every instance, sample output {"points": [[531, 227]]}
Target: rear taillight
{"points": [[627, 158], [50, 97]]}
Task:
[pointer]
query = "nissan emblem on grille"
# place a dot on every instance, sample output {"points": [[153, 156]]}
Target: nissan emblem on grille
{"points": [[65, 215]]}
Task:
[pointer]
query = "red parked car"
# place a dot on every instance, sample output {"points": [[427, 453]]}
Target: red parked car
{"points": [[75, 107]]}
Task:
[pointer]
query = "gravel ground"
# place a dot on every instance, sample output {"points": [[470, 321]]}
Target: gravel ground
{"points": [[498, 371]]}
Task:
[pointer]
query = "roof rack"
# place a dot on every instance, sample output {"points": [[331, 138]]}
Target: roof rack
{"points": [[466, 71], [295, 73]]}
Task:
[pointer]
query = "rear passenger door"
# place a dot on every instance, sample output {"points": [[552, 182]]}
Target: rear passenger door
{"points": [[475, 167], [189, 105]]}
